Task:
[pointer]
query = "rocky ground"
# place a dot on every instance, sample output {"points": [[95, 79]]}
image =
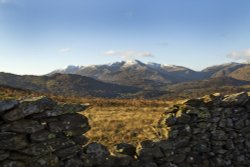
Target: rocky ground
{"points": [[210, 131]]}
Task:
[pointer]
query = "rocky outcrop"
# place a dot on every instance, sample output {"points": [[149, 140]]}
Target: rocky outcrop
{"points": [[210, 131]]}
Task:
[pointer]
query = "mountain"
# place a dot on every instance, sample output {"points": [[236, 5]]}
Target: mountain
{"points": [[222, 70], [135, 73], [151, 75], [66, 84]]}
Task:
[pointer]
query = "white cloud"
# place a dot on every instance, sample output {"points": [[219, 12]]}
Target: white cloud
{"points": [[240, 55], [129, 54], [65, 50]]}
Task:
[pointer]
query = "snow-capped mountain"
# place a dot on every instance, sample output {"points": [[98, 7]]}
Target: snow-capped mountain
{"points": [[134, 73], [139, 74]]}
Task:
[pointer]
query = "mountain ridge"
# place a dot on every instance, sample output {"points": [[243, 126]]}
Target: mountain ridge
{"points": [[139, 74]]}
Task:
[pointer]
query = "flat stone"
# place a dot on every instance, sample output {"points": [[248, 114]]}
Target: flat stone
{"points": [[41, 136], [62, 109], [48, 146], [12, 141], [10, 163], [67, 153], [23, 126], [29, 107], [76, 132], [6, 105], [80, 140], [69, 122], [18, 156], [45, 161], [194, 102]]}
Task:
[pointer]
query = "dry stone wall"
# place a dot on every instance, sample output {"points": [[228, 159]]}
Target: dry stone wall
{"points": [[212, 131], [40, 132]]}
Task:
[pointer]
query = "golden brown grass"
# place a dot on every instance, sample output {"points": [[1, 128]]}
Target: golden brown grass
{"points": [[112, 121], [130, 124]]}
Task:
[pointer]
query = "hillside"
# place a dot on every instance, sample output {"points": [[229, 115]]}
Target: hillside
{"points": [[66, 84]]}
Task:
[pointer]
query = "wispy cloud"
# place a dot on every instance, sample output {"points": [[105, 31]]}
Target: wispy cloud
{"points": [[65, 50], [129, 54], [240, 55]]}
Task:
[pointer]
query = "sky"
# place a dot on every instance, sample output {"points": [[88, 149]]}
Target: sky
{"points": [[37, 37]]}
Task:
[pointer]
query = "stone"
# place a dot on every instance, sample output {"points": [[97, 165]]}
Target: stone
{"points": [[29, 107], [80, 140], [201, 113], [48, 146], [62, 109], [179, 158], [10, 163], [194, 102], [43, 135], [166, 145], [68, 124], [76, 132], [148, 154], [4, 155], [67, 153], [182, 118], [235, 99], [6, 105], [73, 163], [219, 135], [45, 161], [170, 120], [23, 126], [123, 160], [17, 156], [201, 148], [12, 141], [97, 152], [147, 144], [126, 149]]}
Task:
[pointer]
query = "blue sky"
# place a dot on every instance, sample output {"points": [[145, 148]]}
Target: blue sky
{"points": [[37, 36]]}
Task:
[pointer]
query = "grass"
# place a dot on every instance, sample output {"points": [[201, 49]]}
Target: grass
{"points": [[112, 121], [113, 125]]}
